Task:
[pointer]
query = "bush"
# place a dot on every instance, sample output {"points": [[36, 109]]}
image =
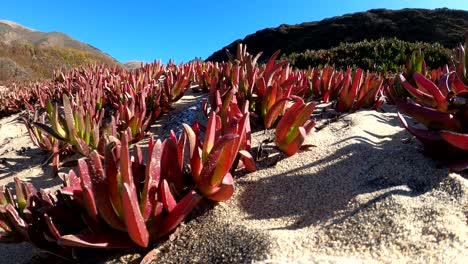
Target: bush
{"points": [[381, 55]]}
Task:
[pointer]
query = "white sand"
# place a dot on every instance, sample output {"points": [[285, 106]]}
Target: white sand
{"points": [[363, 194]]}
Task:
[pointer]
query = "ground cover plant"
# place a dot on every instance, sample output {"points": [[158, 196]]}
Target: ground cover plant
{"points": [[116, 198], [381, 55], [439, 103]]}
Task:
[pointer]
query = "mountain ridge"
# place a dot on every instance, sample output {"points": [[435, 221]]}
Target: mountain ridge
{"points": [[26, 53], [11, 31], [442, 25]]}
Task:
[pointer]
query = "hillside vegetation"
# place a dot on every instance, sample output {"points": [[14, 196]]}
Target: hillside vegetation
{"points": [[383, 55], [444, 26], [22, 61], [30, 54]]}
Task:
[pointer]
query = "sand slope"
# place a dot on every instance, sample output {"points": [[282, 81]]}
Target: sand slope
{"points": [[364, 193]]}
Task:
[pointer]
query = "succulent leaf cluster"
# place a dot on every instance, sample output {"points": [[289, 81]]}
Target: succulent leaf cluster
{"points": [[119, 198], [438, 100]]}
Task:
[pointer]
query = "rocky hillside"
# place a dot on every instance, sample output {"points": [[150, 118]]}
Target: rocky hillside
{"points": [[440, 25], [132, 65], [30, 54]]}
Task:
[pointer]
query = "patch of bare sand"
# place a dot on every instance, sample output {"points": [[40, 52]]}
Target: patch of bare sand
{"points": [[20, 158]]}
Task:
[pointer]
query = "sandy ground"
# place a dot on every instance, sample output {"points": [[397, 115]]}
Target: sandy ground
{"points": [[365, 193]]}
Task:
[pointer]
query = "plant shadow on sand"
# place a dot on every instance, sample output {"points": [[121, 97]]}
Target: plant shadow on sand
{"points": [[320, 189], [28, 164]]}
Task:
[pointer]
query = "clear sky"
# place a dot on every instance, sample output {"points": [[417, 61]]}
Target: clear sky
{"points": [[181, 30]]}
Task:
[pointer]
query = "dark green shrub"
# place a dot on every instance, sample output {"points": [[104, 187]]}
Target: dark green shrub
{"points": [[381, 55]]}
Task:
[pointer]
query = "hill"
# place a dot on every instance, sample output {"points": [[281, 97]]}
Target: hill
{"points": [[444, 26], [30, 54], [133, 65]]}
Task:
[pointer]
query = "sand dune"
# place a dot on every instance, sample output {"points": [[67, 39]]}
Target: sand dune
{"points": [[365, 193]]}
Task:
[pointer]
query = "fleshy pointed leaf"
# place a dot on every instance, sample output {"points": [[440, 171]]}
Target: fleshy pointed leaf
{"points": [[103, 240], [423, 97], [20, 195], [249, 161], [274, 112], [421, 134], [422, 82], [167, 198], [170, 168], [114, 178], [458, 140], [86, 186], [101, 195], [49, 130], [177, 215], [133, 219], [153, 176], [224, 191], [429, 117], [69, 118], [207, 176], [194, 153], [52, 227], [300, 120], [209, 136], [347, 96], [14, 218], [288, 118], [125, 162]]}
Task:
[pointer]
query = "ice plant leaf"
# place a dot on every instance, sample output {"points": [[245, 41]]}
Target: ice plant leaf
{"points": [[125, 162], [69, 118], [14, 218], [271, 62], [274, 112], [194, 153], [249, 161], [153, 176], [225, 160], [288, 118], [458, 140], [293, 146], [49, 130], [269, 98], [3, 199], [207, 176], [86, 186], [103, 240], [421, 96], [224, 191], [429, 117], [101, 195], [421, 134], [114, 178], [133, 219], [20, 195], [177, 215], [422, 82], [51, 226], [348, 95], [209, 136], [290, 133], [230, 151], [167, 198], [170, 167], [300, 120]]}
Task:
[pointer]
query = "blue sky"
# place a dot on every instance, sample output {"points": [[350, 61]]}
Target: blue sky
{"points": [[181, 30]]}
